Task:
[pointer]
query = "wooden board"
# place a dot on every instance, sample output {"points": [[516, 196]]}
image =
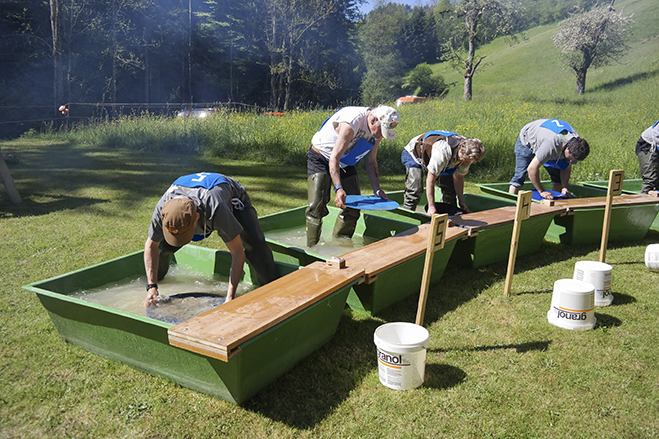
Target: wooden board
{"points": [[573, 204], [218, 332], [389, 252], [501, 216]]}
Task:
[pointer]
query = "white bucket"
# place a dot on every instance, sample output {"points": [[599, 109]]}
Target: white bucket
{"points": [[652, 257], [572, 305], [401, 350], [598, 274]]}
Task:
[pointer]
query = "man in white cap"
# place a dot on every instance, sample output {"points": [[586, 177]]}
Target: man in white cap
{"points": [[349, 135], [192, 208]]}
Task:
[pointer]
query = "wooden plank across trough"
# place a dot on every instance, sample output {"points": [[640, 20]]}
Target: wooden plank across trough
{"points": [[385, 254], [219, 332], [477, 221], [572, 204]]}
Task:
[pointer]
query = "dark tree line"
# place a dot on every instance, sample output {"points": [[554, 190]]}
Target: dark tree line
{"points": [[276, 54]]}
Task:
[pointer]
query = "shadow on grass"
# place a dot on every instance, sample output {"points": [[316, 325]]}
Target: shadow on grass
{"points": [[60, 171], [307, 394], [622, 299], [443, 376], [520, 348], [620, 82], [54, 203], [607, 321]]}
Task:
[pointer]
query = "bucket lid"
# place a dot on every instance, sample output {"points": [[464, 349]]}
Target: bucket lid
{"points": [[573, 286], [593, 266], [401, 337]]}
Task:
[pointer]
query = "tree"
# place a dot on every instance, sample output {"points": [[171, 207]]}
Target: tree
{"points": [[379, 35], [482, 21], [58, 70], [592, 39], [422, 82], [289, 22]]}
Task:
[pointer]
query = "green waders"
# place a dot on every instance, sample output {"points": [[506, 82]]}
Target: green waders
{"points": [[318, 194], [319, 187], [413, 188]]}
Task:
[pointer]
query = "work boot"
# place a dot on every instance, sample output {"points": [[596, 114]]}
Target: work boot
{"points": [[318, 194], [413, 188]]}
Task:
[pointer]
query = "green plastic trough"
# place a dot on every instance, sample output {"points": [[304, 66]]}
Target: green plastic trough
{"points": [[370, 228], [584, 226], [142, 343], [393, 284], [398, 282], [476, 203], [632, 186], [492, 244]]}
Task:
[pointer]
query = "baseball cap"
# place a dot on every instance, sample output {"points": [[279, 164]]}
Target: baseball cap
{"points": [[388, 118], [179, 218]]}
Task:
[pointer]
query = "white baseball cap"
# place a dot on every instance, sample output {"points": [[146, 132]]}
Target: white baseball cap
{"points": [[388, 120]]}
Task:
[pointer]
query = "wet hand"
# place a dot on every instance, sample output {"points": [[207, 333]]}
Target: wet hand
{"points": [[151, 298], [340, 198], [546, 195]]}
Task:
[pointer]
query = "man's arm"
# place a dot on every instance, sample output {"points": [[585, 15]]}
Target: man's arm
{"points": [[237, 251], [565, 180], [430, 192], [459, 184], [373, 172], [151, 268], [340, 147], [534, 175]]}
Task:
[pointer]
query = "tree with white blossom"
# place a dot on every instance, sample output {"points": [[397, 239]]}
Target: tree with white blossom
{"points": [[592, 39]]}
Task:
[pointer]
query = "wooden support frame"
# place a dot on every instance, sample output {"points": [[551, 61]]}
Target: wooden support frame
{"points": [[616, 178], [522, 212], [436, 240]]}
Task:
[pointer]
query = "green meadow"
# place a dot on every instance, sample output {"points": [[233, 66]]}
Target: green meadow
{"points": [[495, 367]]}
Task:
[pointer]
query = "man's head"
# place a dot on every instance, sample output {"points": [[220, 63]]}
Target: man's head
{"points": [[576, 149], [179, 218], [386, 118], [471, 151]]}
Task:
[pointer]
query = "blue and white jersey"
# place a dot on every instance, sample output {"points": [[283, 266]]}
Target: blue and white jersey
{"points": [[215, 197], [206, 180], [362, 139], [547, 138]]}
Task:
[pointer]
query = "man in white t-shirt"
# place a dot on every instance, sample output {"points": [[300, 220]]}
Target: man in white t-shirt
{"points": [[348, 136]]}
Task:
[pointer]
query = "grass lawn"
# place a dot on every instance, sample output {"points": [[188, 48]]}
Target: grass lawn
{"points": [[495, 367]]}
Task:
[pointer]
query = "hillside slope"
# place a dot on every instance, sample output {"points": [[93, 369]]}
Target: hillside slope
{"points": [[533, 68]]}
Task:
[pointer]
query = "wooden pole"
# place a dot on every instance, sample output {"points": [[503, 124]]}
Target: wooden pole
{"points": [[615, 188], [522, 212], [436, 238], [5, 176]]}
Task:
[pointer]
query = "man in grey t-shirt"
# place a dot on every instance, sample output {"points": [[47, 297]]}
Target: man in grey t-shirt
{"points": [[552, 143], [192, 208], [648, 158]]}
